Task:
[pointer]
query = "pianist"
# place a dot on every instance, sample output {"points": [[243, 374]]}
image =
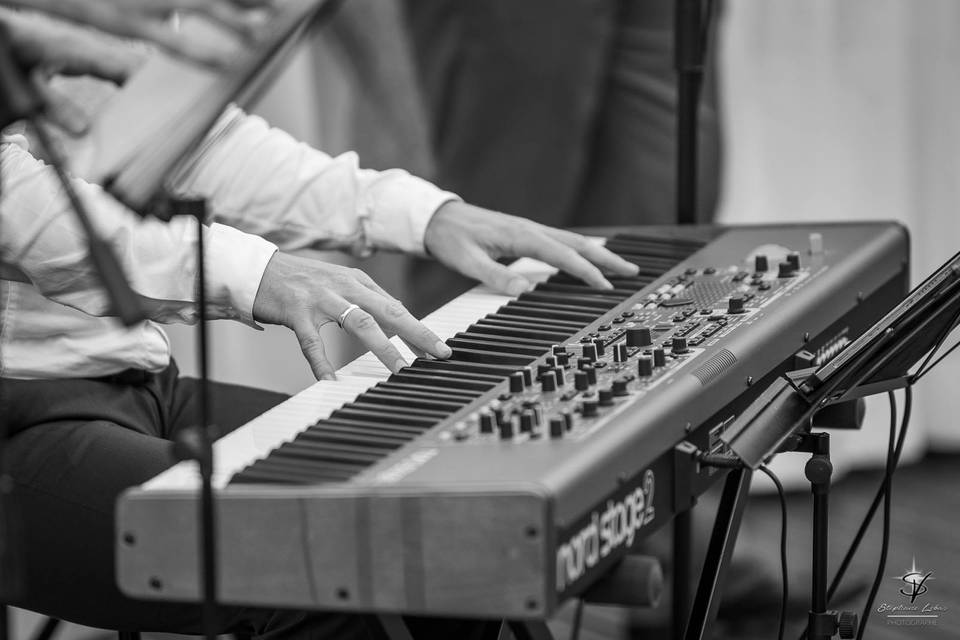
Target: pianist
{"points": [[90, 407]]}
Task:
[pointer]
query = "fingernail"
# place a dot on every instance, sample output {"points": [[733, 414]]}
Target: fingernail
{"points": [[399, 364], [442, 350], [634, 268], [518, 286], [605, 284]]}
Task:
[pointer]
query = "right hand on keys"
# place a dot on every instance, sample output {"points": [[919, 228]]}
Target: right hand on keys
{"points": [[148, 20], [303, 295]]}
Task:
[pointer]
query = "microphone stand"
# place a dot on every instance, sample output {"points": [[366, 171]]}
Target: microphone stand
{"points": [[196, 444], [20, 101], [689, 42]]}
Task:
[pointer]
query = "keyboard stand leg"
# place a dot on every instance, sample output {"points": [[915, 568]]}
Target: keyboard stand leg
{"points": [[682, 549], [393, 627], [724, 536], [529, 630]]}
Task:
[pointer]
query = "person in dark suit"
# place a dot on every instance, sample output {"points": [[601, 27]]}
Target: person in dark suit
{"points": [[562, 112]]}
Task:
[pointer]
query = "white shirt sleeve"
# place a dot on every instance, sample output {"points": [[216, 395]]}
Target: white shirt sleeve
{"points": [[263, 181], [41, 236]]}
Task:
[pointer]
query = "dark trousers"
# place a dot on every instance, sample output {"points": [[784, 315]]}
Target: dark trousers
{"points": [[561, 112], [75, 445]]}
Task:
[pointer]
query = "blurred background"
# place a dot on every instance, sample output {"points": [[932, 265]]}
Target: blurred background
{"points": [[815, 110]]}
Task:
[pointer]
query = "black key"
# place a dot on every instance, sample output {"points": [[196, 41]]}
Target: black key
{"points": [[377, 426], [444, 393], [397, 400], [298, 450], [553, 337], [553, 324], [593, 302], [527, 311], [491, 357], [496, 345], [544, 345], [501, 371], [347, 434], [335, 437], [584, 290], [440, 381], [360, 403], [347, 412], [261, 474], [452, 371]]}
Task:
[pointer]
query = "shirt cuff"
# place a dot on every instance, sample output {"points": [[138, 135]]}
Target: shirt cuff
{"points": [[398, 212], [235, 265]]}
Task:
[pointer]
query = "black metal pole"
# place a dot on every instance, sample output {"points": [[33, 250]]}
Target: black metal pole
{"points": [[688, 61], [197, 443], [682, 569], [720, 550], [819, 470]]}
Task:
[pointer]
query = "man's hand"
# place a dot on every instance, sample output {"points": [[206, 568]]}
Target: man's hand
{"points": [[148, 20], [304, 295], [48, 47], [470, 239]]}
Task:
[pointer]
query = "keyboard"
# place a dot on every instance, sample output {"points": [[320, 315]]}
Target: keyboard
{"points": [[511, 477]]}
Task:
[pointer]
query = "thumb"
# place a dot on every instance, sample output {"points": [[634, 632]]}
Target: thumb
{"points": [[481, 266]]}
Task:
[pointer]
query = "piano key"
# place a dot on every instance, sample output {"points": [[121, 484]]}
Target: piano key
{"points": [[361, 403], [491, 357], [530, 309], [348, 412], [262, 474], [497, 345], [600, 302], [584, 290], [527, 341], [440, 381], [554, 337], [362, 425], [511, 320], [313, 448], [501, 371], [407, 400], [465, 395]]}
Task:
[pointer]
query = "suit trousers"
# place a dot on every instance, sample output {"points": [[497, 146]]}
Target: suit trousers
{"points": [[74, 445]]}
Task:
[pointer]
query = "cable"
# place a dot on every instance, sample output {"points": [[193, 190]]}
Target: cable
{"points": [[783, 547], [927, 369], [577, 617], [887, 497]]}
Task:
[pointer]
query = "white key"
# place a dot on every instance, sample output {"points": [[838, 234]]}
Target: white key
{"points": [[285, 421]]}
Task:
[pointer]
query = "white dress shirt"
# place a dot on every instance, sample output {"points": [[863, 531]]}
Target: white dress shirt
{"points": [[263, 189]]}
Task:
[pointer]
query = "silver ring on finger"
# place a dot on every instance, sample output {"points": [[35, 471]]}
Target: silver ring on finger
{"points": [[343, 316]]}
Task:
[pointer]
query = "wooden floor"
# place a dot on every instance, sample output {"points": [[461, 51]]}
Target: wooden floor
{"points": [[925, 527]]}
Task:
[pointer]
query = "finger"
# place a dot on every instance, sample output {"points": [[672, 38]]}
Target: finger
{"points": [[60, 109], [181, 46], [555, 253], [226, 13], [417, 351], [392, 314], [68, 50], [594, 252], [311, 344], [364, 327], [475, 263]]}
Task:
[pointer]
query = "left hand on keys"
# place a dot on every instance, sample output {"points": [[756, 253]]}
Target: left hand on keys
{"points": [[470, 239]]}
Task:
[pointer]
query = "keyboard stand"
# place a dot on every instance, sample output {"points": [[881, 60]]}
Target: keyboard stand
{"points": [[726, 526]]}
